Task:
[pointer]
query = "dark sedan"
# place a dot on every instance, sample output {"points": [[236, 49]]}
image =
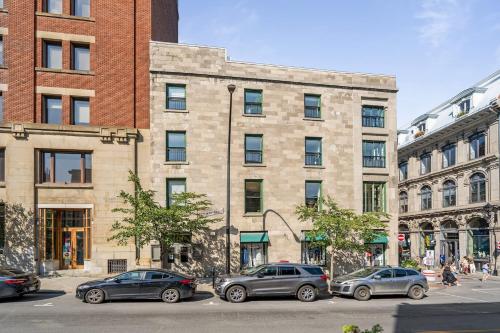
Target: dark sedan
{"points": [[139, 284], [15, 283]]}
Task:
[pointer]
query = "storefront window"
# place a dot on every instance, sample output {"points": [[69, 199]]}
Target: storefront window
{"points": [[312, 253], [374, 256], [478, 242], [427, 241], [404, 246], [253, 254]]}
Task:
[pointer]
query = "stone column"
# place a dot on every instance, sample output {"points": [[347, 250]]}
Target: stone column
{"points": [[462, 241], [437, 248]]}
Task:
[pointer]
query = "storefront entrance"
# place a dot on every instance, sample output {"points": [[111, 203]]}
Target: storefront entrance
{"points": [[73, 248], [449, 243]]}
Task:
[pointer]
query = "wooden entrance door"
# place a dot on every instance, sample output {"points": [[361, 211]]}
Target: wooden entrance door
{"points": [[73, 248]]}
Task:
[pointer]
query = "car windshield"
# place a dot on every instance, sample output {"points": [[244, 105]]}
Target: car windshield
{"points": [[363, 272], [251, 270]]}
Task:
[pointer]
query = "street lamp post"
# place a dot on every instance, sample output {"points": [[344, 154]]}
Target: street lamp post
{"points": [[231, 89]]}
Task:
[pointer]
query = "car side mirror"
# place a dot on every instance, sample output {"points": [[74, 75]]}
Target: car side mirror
{"points": [[118, 280], [260, 275], [377, 277]]}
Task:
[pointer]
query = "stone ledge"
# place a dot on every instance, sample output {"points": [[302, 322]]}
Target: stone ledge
{"points": [[257, 165], [66, 186], [64, 71]]}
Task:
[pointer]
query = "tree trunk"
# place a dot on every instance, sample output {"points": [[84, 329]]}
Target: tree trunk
{"points": [[331, 269]]}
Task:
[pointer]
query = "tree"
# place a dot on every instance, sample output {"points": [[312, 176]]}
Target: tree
{"points": [[145, 220], [340, 229]]}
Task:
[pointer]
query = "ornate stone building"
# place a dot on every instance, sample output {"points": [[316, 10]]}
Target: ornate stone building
{"points": [[449, 195]]}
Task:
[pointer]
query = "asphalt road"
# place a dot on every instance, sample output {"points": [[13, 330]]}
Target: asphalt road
{"points": [[473, 307]]}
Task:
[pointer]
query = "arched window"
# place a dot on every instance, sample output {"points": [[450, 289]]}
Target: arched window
{"points": [[426, 198], [403, 202], [477, 188], [449, 193]]}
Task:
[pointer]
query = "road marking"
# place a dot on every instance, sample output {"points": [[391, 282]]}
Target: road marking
{"points": [[46, 304], [463, 297]]}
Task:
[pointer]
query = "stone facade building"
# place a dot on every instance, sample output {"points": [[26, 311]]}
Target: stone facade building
{"points": [[297, 134], [449, 193], [74, 119]]}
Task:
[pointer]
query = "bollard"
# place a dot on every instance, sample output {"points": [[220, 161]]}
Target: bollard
{"points": [[213, 277]]}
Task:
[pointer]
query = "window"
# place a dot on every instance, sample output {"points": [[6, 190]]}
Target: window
{"points": [[253, 149], [174, 186], [287, 270], [253, 101], [449, 193], [52, 54], [80, 8], [156, 276], [386, 274], [2, 225], [373, 197], [313, 151], [80, 57], [373, 116], [426, 198], [184, 254], [1, 50], [176, 97], [399, 273], [425, 164], [253, 254], [449, 155], [312, 253], [411, 272], [421, 127], [477, 188], [80, 111], [134, 276], [268, 271], [374, 154], [176, 146], [464, 106], [66, 167], [53, 6], [1, 3], [313, 193], [312, 106], [52, 110], [253, 196], [477, 146], [403, 171], [403, 202], [314, 270], [2, 165], [1, 107]]}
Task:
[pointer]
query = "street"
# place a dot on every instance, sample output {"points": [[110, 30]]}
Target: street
{"points": [[472, 306]]}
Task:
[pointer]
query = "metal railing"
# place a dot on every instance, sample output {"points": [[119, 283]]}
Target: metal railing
{"points": [[374, 161], [313, 159], [176, 154]]}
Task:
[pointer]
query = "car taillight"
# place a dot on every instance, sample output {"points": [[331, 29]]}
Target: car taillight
{"points": [[324, 277], [186, 282], [15, 281]]}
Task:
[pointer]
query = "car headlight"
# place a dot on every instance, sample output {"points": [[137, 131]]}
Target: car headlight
{"points": [[347, 282], [83, 286]]}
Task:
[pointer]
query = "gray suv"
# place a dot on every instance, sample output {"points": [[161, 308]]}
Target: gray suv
{"points": [[366, 282], [306, 282]]}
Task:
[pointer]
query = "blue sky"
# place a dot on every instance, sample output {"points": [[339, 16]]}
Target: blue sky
{"points": [[436, 48]]}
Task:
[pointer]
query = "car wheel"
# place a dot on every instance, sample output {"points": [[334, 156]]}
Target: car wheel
{"points": [[306, 293], [170, 296], [236, 294], [416, 292], [362, 293], [94, 296]]}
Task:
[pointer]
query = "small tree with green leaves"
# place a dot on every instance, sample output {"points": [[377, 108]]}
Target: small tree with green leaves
{"points": [[145, 220], [340, 229]]}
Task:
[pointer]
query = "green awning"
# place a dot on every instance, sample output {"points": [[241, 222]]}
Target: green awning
{"points": [[254, 237], [380, 239], [318, 238]]}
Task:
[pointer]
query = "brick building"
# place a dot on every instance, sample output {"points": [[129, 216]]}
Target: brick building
{"points": [[74, 84]]}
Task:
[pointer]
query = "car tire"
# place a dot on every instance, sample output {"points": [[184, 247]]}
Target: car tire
{"points": [[94, 296], [362, 293], [416, 292], [170, 295], [236, 294], [306, 293]]}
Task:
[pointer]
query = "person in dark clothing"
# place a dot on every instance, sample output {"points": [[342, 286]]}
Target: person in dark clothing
{"points": [[448, 278]]}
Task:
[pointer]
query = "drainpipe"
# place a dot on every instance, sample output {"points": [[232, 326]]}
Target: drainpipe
{"points": [[494, 108]]}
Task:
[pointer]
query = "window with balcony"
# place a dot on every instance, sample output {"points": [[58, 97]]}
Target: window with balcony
{"points": [[449, 155], [52, 109], [312, 106], [176, 97], [65, 167], [477, 188], [253, 196], [426, 198], [374, 197], [80, 57], [403, 171], [80, 8], [425, 164], [176, 146], [253, 101], [52, 54], [80, 113], [313, 151], [477, 146], [449, 194], [313, 193], [373, 154], [53, 6], [175, 186], [373, 116], [403, 202], [253, 149]]}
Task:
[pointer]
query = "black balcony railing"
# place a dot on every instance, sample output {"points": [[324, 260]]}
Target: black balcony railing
{"points": [[313, 159], [373, 121], [374, 161], [176, 154], [176, 103], [253, 157], [312, 112]]}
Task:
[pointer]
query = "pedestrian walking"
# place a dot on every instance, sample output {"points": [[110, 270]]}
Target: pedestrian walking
{"points": [[486, 272]]}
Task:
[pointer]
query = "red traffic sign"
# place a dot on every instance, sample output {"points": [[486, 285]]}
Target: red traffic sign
{"points": [[401, 237]]}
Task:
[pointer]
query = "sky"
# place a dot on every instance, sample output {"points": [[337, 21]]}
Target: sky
{"points": [[435, 48]]}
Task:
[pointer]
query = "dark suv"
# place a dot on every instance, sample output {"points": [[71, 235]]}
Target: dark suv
{"points": [[304, 281]]}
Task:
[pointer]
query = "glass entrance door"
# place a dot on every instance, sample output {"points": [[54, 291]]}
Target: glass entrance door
{"points": [[73, 248]]}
